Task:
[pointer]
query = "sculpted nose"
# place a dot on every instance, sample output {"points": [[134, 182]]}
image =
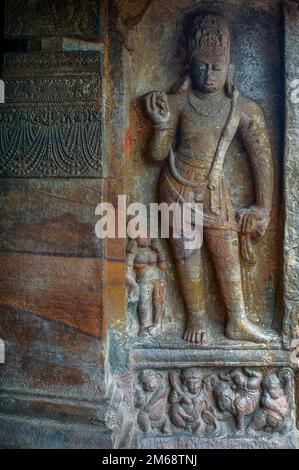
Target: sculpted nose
{"points": [[209, 73]]}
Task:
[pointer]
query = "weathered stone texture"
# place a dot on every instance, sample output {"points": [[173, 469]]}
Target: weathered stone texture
{"points": [[52, 282], [97, 350], [68, 18], [291, 175], [53, 120]]}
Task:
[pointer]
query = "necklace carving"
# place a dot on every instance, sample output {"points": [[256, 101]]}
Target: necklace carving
{"points": [[207, 108]]}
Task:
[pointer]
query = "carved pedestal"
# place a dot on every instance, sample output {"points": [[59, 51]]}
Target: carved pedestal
{"points": [[237, 402]]}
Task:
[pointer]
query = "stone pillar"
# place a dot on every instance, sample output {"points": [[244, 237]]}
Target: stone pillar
{"points": [[291, 318], [54, 146]]}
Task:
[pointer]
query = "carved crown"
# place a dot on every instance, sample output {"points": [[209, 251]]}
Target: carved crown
{"points": [[209, 33]]}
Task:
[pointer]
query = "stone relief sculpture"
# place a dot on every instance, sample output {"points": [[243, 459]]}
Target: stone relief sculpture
{"points": [[146, 283], [189, 401], [66, 116], [240, 402], [30, 155], [274, 403], [238, 394], [151, 401], [193, 127], [206, 111]]}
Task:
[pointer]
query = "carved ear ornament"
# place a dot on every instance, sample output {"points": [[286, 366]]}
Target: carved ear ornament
{"points": [[181, 86]]}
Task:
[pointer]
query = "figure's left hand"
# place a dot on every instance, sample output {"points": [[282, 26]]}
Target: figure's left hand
{"points": [[132, 289], [253, 221], [286, 375]]}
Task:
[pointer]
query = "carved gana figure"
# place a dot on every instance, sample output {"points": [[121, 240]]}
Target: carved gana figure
{"points": [[146, 283], [189, 401], [205, 111], [151, 401], [238, 394], [275, 402]]}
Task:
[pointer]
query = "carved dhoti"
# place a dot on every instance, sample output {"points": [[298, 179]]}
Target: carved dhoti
{"points": [[218, 212]]}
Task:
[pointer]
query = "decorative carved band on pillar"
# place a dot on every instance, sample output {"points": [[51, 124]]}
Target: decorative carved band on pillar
{"points": [[56, 18], [52, 121]]}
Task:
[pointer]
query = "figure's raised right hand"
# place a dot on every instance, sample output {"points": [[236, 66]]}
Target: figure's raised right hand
{"points": [[156, 104]]}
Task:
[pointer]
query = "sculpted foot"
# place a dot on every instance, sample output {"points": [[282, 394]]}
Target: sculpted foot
{"points": [[244, 330], [151, 330], [154, 329], [142, 332], [196, 331]]}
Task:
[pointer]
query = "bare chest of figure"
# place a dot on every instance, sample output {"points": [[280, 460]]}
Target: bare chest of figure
{"points": [[199, 136]]}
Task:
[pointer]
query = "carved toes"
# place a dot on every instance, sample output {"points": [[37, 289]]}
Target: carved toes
{"points": [[193, 335]]}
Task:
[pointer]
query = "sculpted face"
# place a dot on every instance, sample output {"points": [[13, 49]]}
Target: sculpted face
{"points": [[193, 383], [150, 383], [142, 242], [209, 72], [274, 387]]}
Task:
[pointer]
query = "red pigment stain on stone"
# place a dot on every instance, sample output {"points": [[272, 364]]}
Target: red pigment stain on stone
{"points": [[128, 143]]}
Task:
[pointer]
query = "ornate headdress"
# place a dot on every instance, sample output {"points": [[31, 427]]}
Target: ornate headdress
{"points": [[145, 374], [188, 373], [209, 33]]}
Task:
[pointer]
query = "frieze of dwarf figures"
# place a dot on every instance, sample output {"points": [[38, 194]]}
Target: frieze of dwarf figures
{"points": [[238, 402]]}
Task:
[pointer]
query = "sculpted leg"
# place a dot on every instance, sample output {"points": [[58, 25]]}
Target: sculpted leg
{"points": [[224, 248], [178, 416], [144, 422], [189, 268], [259, 420], [240, 423], [158, 307], [144, 310]]}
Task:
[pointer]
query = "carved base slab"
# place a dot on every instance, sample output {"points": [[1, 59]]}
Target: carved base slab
{"points": [[259, 356], [171, 442], [215, 398]]}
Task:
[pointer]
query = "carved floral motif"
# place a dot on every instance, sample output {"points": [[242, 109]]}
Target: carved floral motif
{"points": [[51, 124], [44, 141]]}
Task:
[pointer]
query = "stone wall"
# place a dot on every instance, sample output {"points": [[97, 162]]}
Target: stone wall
{"points": [[73, 133]]}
